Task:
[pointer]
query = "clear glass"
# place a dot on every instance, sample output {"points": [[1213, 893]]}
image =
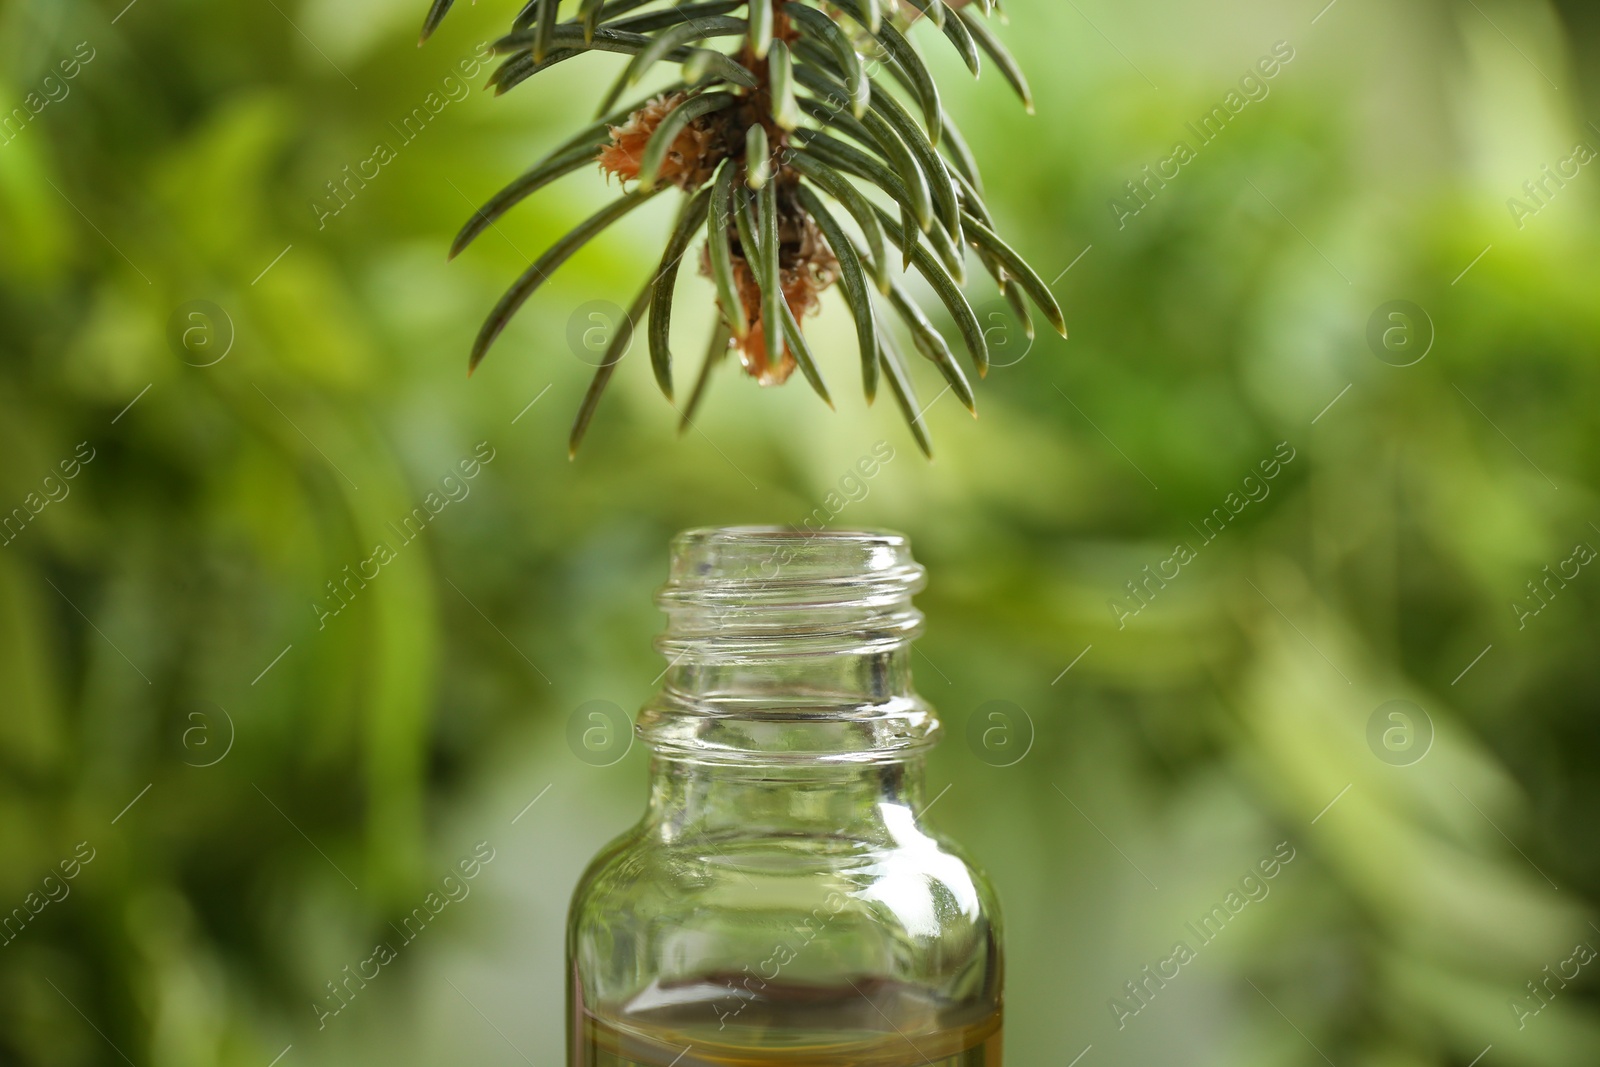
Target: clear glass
{"points": [[782, 902]]}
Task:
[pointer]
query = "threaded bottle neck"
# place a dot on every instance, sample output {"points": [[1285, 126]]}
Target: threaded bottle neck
{"points": [[788, 646]]}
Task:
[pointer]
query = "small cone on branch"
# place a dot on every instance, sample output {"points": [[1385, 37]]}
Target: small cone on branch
{"points": [[689, 163]]}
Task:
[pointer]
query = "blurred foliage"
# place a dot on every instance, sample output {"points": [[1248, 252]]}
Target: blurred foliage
{"points": [[174, 585]]}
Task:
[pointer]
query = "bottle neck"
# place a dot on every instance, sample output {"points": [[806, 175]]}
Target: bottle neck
{"points": [[789, 650]]}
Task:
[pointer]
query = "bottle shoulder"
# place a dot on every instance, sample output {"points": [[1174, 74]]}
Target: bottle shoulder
{"points": [[906, 882]]}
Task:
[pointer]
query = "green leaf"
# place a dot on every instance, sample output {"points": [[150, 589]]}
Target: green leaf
{"points": [[949, 253], [971, 197], [951, 296], [951, 139], [830, 117], [544, 29], [535, 178], [430, 21], [760, 27], [699, 66], [570, 155], [655, 150], [1019, 269], [589, 16], [934, 9], [1019, 307], [840, 153], [1009, 68], [905, 394], [606, 39], [608, 12], [608, 366], [780, 71], [611, 10], [690, 219], [669, 42], [769, 274], [860, 208], [520, 67], [895, 117], [745, 225], [834, 153], [802, 352], [669, 39], [1007, 285], [961, 37], [905, 54], [837, 154], [905, 163], [828, 32], [651, 21], [716, 352], [854, 284], [546, 265], [930, 342], [721, 249], [757, 156], [905, 224], [928, 160], [570, 38]]}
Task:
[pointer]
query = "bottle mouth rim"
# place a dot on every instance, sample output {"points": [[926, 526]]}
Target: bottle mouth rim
{"points": [[756, 534], [758, 567]]}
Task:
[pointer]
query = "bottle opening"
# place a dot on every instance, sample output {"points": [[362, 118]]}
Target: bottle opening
{"points": [[744, 557]]}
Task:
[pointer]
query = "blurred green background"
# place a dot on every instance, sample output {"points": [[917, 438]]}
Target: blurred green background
{"points": [[263, 789]]}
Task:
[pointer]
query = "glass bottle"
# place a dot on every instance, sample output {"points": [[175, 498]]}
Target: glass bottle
{"points": [[782, 901]]}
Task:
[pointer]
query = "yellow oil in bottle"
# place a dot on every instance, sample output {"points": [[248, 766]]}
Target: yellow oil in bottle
{"points": [[864, 1024]]}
